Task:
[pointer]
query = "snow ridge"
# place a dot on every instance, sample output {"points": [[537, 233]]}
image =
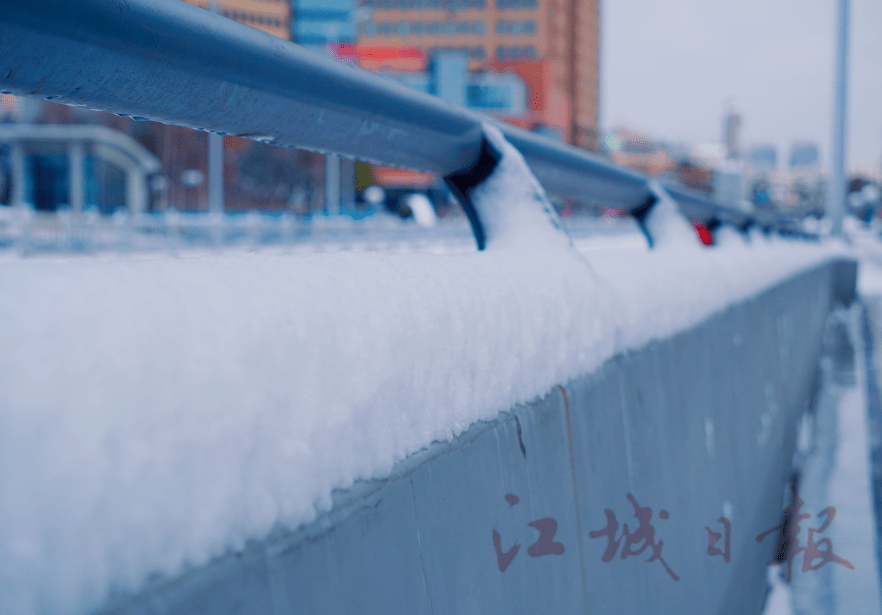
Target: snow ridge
{"points": [[156, 413]]}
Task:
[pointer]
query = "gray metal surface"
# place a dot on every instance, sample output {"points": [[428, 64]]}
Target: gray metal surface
{"points": [[700, 425]]}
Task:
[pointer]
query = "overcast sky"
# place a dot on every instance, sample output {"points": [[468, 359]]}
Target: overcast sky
{"points": [[671, 68]]}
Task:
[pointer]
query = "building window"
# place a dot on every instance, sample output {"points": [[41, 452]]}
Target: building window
{"points": [[489, 97], [516, 4], [506, 26], [522, 52], [405, 28]]}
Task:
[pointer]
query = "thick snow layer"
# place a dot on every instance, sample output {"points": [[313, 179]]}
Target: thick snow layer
{"points": [[157, 412]]}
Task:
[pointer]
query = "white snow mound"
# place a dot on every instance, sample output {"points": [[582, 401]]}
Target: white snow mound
{"points": [[155, 413]]}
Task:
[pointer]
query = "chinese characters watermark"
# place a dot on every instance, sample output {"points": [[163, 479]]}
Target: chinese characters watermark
{"points": [[790, 547], [544, 545], [645, 533], [643, 540]]}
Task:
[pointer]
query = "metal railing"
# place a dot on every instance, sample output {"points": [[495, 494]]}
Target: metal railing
{"points": [[171, 62]]}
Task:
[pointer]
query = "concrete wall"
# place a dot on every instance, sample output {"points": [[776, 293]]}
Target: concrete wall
{"points": [[696, 428]]}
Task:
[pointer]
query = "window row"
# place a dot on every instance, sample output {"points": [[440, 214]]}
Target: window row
{"points": [[475, 53], [516, 4], [403, 28], [517, 52], [506, 26], [308, 31], [255, 18], [448, 5]]}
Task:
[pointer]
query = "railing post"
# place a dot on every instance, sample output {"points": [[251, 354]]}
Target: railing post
{"points": [[136, 190], [17, 164], [215, 173], [76, 173], [332, 184], [347, 182]]}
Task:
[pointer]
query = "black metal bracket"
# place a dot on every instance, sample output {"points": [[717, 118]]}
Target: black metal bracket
{"points": [[640, 213], [461, 184], [712, 225]]}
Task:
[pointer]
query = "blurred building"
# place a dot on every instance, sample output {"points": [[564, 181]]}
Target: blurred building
{"points": [[552, 44], [798, 187], [271, 16], [763, 157], [732, 135], [804, 154], [256, 176], [317, 23], [640, 151], [446, 74], [691, 166]]}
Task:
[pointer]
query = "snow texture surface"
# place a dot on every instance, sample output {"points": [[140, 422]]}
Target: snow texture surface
{"points": [[157, 412]]}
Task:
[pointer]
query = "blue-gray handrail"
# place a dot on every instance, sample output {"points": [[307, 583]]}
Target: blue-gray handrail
{"points": [[171, 62]]}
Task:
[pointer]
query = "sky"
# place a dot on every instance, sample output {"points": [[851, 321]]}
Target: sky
{"points": [[671, 69]]}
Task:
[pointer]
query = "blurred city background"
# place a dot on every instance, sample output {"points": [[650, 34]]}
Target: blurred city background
{"points": [[72, 179]]}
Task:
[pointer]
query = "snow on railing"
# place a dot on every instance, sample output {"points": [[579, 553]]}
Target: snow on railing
{"points": [[157, 413], [168, 61]]}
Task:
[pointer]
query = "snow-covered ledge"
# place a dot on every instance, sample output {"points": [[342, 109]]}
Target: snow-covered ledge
{"points": [[156, 413]]}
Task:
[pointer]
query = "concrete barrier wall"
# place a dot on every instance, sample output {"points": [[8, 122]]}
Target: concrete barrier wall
{"points": [[517, 515]]}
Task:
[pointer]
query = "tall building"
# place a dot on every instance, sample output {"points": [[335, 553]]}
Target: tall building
{"points": [[271, 16], [763, 157], [732, 135], [557, 40], [804, 154]]}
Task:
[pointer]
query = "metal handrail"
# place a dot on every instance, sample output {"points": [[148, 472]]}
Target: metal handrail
{"points": [[171, 62]]}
